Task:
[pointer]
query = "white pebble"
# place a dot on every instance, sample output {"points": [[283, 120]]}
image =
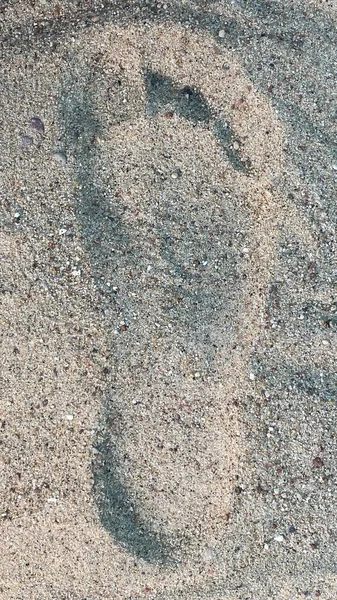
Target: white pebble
{"points": [[174, 175], [236, 145], [209, 554], [279, 538], [52, 500], [252, 376], [221, 33], [62, 231], [60, 157], [69, 417]]}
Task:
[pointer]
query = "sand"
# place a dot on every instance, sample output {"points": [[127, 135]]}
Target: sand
{"points": [[168, 411]]}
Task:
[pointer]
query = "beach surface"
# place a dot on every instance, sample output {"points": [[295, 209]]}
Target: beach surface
{"points": [[169, 300]]}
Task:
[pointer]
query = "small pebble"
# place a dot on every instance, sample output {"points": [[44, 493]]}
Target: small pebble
{"points": [[69, 417], [37, 125], [209, 555], [252, 376], [279, 538], [26, 141], [175, 175], [221, 33], [62, 231], [123, 325], [60, 157]]}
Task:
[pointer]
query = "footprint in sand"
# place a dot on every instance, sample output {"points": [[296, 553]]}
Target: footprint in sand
{"points": [[174, 158]]}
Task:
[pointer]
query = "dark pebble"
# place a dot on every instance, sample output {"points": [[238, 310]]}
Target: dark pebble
{"points": [[292, 529], [317, 462], [37, 125]]}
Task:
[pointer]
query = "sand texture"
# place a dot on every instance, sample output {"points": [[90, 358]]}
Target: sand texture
{"points": [[169, 302]]}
